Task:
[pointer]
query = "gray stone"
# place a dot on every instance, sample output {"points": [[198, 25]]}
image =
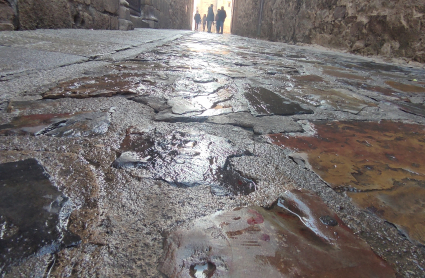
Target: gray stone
{"points": [[124, 13], [125, 25], [260, 125]]}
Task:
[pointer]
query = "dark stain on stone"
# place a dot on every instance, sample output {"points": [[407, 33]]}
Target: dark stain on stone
{"points": [[328, 220], [341, 74], [265, 102], [29, 212]]}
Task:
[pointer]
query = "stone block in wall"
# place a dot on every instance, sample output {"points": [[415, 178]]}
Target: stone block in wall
{"points": [[111, 6], [125, 25], [35, 14], [114, 23], [124, 13], [138, 22], [87, 2], [7, 16], [100, 20], [340, 12], [6, 27]]}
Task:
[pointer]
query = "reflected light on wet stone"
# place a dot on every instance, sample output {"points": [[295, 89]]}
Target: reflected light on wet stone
{"points": [[185, 160], [286, 240], [384, 160], [102, 86], [58, 125], [265, 102]]}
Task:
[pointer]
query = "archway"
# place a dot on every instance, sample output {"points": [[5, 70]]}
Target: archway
{"points": [[202, 6]]}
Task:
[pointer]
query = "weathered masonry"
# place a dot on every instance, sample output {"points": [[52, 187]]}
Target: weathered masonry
{"points": [[95, 14], [368, 27]]}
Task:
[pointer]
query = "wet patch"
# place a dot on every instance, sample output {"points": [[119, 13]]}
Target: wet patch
{"points": [[412, 108], [58, 125], [32, 213], [309, 78], [182, 105], [102, 86], [342, 100], [405, 87], [251, 241], [33, 106], [185, 160], [341, 74], [265, 102], [366, 157]]}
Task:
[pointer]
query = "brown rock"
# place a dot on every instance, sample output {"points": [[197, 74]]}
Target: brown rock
{"points": [[44, 14], [297, 237]]}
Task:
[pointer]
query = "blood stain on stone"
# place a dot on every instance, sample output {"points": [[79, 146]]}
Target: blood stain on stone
{"points": [[265, 102], [389, 165]]}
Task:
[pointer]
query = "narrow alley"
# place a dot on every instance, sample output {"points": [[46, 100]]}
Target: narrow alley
{"points": [[170, 153]]}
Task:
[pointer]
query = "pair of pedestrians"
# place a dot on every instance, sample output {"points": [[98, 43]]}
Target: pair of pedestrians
{"points": [[221, 16]]}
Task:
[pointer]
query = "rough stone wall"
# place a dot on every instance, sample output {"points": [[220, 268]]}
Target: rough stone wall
{"points": [[168, 14], [369, 27], [89, 14]]}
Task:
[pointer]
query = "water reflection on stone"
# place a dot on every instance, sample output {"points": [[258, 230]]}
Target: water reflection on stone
{"points": [[288, 239], [185, 160], [385, 160], [29, 213]]}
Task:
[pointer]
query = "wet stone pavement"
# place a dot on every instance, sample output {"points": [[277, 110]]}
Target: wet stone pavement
{"points": [[212, 156]]}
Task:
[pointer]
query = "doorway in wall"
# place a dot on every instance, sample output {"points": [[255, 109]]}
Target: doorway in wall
{"points": [[202, 7]]}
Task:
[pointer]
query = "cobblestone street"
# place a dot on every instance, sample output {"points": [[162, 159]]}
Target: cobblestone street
{"points": [[160, 153]]}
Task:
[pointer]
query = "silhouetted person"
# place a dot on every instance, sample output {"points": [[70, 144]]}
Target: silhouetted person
{"points": [[210, 17], [197, 20], [221, 17], [204, 22], [217, 24]]}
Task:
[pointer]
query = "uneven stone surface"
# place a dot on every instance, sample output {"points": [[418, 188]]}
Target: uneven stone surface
{"points": [[152, 132], [297, 236], [381, 160]]}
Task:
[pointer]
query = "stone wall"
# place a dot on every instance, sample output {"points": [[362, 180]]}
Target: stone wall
{"points": [[368, 27], [168, 14], [94, 14]]}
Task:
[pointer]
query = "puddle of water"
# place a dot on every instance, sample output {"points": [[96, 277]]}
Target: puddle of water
{"points": [[341, 74], [308, 78], [102, 86], [205, 270], [405, 87], [252, 241], [182, 105], [58, 125], [32, 124], [29, 212], [185, 160], [369, 157], [265, 102], [330, 99]]}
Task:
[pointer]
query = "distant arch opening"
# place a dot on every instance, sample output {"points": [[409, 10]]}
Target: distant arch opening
{"points": [[202, 7]]}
